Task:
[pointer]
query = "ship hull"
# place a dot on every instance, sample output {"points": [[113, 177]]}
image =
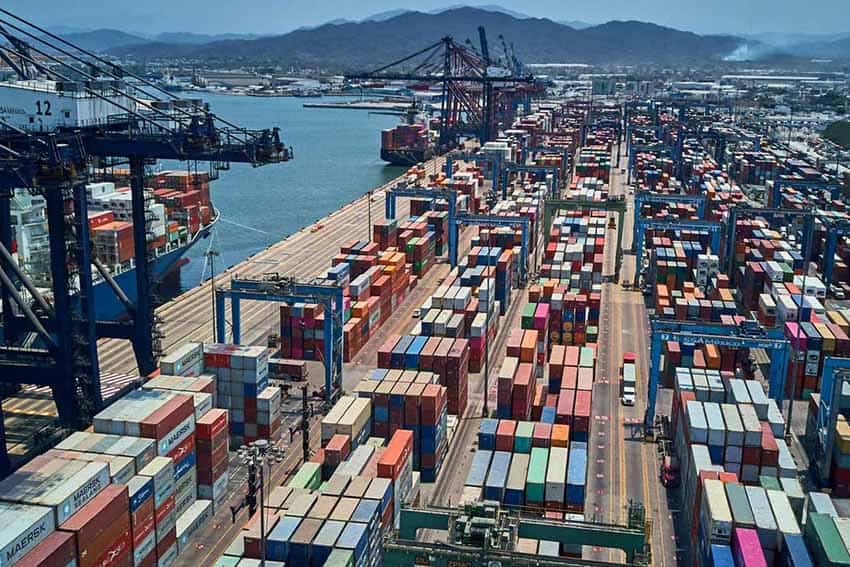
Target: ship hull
{"points": [[107, 304], [406, 156]]}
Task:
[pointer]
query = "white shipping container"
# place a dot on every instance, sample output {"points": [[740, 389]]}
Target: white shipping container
{"points": [[752, 428], [22, 527], [355, 421], [734, 426], [700, 386], [161, 470], [333, 416], [697, 426], [792, 487], [783, 514], [556, 474], [185, 360], [716, 515], [820, 503], [738, 392], [787, 466], [714, 421], [191, 520], [775, 419], [766, 527], [758, 397]]}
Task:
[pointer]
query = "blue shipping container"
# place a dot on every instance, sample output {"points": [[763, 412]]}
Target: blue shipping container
{"points": [[478, 470], [397, 356], [487, 434], [411, 355], [494, 487], [324, 542], [367, 513], [355, 538], [576, 473], [547, 415], [721, 556], [277, 544], [794, 552], [378, 374]]}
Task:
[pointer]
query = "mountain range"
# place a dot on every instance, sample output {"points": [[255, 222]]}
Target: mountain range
{"points": [[367, 44], [105, 39], [345, 45]]}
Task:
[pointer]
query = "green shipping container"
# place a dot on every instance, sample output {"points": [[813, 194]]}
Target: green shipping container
{"points": [[769, 483], [535, 483], [824, 541], [340, 558], [522, 437], [586, 357], [308, 476], [528, 311], [226, 561]]}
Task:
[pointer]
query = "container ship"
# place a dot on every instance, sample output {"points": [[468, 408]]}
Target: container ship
{"points": [[181, 216], [179, 207], [410, 142]]}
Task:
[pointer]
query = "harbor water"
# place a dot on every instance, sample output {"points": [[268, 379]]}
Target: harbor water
{"points": [[336, 161]]}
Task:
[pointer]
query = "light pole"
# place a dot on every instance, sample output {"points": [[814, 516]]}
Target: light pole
{"points": [[260, 452], [369, 216], [485, 412], [211, 254]]}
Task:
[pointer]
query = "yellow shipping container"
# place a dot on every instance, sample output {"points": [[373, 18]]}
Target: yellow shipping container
{"points": [[842, 435]]}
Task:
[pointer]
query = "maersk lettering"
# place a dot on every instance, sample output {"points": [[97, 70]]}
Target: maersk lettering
{"points": [[28, 539], [177, 435], [87, 491]]}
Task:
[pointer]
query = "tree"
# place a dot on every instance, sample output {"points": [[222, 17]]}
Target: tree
{"points": [[839, 133]]}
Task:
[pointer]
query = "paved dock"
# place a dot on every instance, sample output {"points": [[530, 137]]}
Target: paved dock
{"points": [[189, 317]]}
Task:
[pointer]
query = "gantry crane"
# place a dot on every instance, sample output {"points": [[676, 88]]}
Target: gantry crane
{"points": [[280, 289], [748, 335], [134, 124], [485, 534], [475, 92]]}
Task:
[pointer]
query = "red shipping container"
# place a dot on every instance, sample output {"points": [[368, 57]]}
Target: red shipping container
{"points": [[166, 508], [505, 435], [564, 411], [142, 521], [173, 412], [769, 448], [118, 553], [542, 434], [569, 380], [211, 423], [751, 456], [581, 412], [111, 507], [166, 543], [184, 448], [57, 550], [337, 449], [397, 452]]}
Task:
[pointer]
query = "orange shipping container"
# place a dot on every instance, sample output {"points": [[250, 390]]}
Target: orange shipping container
{"points": [[529, 346], [398, 452], [712, 355], [560, 435]]}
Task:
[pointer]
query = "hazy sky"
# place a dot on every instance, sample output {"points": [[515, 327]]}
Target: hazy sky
{"points": [[280, 16]]}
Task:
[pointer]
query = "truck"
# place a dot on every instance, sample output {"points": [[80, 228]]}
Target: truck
{"points": [[628, 388]]}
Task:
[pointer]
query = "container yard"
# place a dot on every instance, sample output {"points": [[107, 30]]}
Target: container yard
{"points": [[575, 332]]}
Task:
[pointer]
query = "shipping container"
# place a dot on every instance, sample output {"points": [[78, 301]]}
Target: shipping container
{"points": [[497, 476]]}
